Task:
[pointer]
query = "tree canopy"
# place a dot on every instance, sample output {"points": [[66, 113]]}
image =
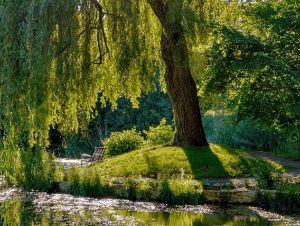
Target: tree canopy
{"points": [[56, 56], [50, 57], [255, 63]]}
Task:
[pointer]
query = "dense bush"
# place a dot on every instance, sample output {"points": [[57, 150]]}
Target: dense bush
{"points": [[290, 148], [161, 134], [30, 169], [122, 142], [247, 134]]}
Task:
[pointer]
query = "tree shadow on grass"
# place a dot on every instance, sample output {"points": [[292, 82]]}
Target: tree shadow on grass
{"points": [[205, 163]]}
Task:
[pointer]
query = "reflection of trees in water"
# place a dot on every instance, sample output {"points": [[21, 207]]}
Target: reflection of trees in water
{"points": [[18, 212], [23, 211], [189, 218]]}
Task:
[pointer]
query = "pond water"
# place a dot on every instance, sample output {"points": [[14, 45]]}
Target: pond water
{"points": [[36, 208]]}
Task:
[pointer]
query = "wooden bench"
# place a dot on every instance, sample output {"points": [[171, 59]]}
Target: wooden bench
{"points": [[96, 157]]}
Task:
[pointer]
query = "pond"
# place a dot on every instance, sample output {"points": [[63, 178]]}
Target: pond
{"points": [[36, 208]]}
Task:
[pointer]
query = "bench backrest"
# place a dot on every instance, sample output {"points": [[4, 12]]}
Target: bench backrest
{"points": [[98, 153]]}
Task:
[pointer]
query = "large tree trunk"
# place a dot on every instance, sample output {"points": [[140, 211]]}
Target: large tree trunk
{"points": [[181, 88], [180, 84]]}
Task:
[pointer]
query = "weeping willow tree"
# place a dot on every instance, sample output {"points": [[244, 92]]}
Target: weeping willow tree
{"points": [[57, 56]]}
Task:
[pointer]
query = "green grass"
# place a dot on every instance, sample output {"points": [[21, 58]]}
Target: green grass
{"points": [[176, 162], [291, 154], [167, 174]]}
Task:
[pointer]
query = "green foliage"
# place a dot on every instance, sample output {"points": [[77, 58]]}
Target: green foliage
{"points": [[30, 169], [152, 108], [246, 134], [286, 199], [249, 134], [288, 152], [218, 129], [265, 178], [170, 191], [121, 176], [161, 134], [180, 192], [74, 145], [57, 57], [89, 184], [122, 142], [290, 148], [50, 61], [255, 64]]}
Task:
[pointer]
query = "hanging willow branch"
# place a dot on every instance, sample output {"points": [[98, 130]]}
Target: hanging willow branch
{"points": [[69, 45], [101, 36], [97, 25], [48, 49]]}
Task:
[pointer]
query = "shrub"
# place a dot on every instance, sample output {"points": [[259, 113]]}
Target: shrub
{"points": [[122, 142], [218, 129], [161, 134], [290, 147], [247, 134], [30, 169]]}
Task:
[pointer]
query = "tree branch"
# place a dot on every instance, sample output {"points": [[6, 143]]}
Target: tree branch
{"points": [[160, 10], [97, 5]]}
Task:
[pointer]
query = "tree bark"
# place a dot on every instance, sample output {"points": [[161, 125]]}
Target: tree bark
{"points": [[180, 84]]}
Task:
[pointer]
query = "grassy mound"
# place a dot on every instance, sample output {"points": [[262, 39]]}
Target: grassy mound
{"points": [[167, 174], [189, 162]]}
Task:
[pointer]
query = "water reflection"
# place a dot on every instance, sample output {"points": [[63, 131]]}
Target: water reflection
{"points": [[17, 208], [188, 218]]}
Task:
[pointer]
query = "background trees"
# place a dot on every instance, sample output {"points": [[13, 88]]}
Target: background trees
{"points": [[255, 64], [57, 56]]}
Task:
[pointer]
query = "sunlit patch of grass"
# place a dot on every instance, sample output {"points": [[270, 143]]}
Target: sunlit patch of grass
{"points": [[214, 161], [166, 173]]}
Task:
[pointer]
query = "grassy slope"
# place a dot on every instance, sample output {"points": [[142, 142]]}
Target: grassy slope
{"points": [[210, 162]]}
